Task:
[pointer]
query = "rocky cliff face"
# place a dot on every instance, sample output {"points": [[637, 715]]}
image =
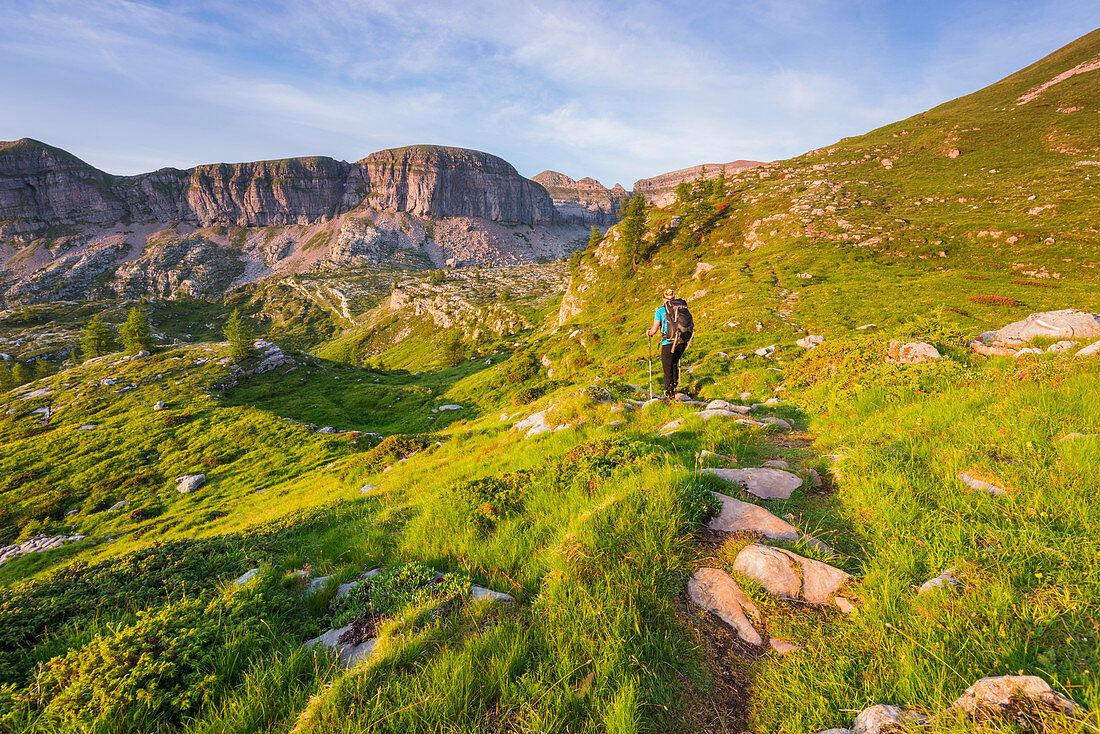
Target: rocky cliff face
{"points": [[437, 181], [43, 187], [68, 230], [659, 189], [586, 201]]}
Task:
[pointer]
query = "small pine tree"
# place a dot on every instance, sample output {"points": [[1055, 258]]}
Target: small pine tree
{"points": [[238, 332], [44, 368], [632, 229], [454, 351], [21, 374], [136, 333], [98, 338], [6, 381]]}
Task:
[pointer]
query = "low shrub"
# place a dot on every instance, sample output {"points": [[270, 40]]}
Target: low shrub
{"points": [[697, 494], [381, 596], [995, 300], [490, 499], [528, 394], [1036, 283], [393, 448]]}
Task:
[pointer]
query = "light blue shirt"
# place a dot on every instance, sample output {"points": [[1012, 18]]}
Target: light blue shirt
{"points": [[659, 315]]}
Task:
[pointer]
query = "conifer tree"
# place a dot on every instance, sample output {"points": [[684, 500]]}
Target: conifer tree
{"points": [[98, 338], [632, 229], [21, 374], [238, 332], [136, 333]]}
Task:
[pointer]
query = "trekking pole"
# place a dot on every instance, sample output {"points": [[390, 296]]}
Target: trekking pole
{"points": [[650, 366]]}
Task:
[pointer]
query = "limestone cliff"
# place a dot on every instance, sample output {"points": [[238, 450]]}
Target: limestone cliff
{"points": [[659, 189], [587, 200]]}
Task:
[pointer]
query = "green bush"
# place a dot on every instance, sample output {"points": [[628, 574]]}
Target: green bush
{"points": [[520, 367], [387, 593], [528, 394], [393, 448], [490, 499], [697, 494], [164, 666]]}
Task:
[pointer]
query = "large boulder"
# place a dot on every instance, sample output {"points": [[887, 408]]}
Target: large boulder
{"points": [[765, 483], [1068, 323], [717, 592], [744, 517], [790, 576], [1007, 694]]}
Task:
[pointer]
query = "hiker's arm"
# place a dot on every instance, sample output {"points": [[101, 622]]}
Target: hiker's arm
{"points": [[655, 329]]}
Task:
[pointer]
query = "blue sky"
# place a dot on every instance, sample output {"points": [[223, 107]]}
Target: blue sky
{"points": [[614, 90]]}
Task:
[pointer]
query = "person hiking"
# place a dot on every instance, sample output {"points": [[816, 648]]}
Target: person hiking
{"points": [[673, 322]]}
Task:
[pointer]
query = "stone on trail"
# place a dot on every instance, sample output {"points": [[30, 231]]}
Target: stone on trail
{"points": [[975, 483], [791, 576], [782, 646], [1003, 694], [910, 352], [765, 483], [744, 517], [771, 420], [946, 580], [777, 464], [189, 482], [883, 718], [717, 592], [815, 478], [707, 414]]}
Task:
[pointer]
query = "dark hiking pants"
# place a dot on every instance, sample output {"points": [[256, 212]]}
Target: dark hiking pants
{"points": [[670, 361]]}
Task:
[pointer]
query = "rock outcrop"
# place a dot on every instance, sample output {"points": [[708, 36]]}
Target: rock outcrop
{"points": [[659, 190], [587, 200]]}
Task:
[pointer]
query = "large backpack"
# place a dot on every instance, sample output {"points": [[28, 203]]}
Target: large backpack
{"points": [[679, 326]]}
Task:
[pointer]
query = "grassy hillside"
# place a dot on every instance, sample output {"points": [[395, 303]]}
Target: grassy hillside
{"points": [[595, 520]]}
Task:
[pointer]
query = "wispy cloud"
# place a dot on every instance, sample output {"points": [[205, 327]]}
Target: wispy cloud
{"points": [[609, 89]]}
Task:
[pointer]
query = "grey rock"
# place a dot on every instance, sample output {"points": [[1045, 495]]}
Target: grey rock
{"points": [[159, 405], [1066, 324], [946, 580], [809, 342], [982, 486], [480, 593], [715, 591], [882, 718], [764, 483], [997, 695], [777, 464], [118, 505], [1089, 351], [790, 576], [190, 482], [247, 576], [911, 352], [347, 655]]}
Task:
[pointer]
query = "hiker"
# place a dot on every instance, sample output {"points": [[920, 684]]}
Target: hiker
{"points": [[673, 322]]}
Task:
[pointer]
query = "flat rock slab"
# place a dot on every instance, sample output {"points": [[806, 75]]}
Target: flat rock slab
{"points": [[982, 486], [709, 413], [738, 517], [765, 483], [790, 576], [715, 591], [1001, 694]]}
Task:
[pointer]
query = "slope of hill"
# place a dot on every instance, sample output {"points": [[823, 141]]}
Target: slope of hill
{"points": [[883, 532], [660, 190]]}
